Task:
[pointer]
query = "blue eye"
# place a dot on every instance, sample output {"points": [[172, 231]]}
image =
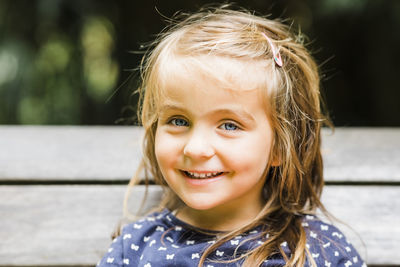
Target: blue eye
{"points": [[179, 122], [229, 126]]}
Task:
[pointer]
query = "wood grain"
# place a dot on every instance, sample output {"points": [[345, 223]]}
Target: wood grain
{"points": [[72, 153], [71, 225], [362, 154]]}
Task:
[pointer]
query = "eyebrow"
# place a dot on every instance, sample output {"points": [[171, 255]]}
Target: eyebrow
{"points": [[170, 106], [234, 111], [247, 117]]}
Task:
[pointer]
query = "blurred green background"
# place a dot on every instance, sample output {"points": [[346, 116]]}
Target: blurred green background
{"points": [[73, 62]]}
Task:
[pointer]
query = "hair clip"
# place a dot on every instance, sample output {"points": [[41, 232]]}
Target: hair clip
{"points": [[275, 52]]}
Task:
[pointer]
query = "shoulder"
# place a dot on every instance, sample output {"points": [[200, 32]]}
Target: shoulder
{"points": [[146, 231], [150, 221], [328, 245], [135, 236]]}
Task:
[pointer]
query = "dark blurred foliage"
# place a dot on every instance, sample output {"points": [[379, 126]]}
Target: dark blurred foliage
{"points": [[71, 62]]}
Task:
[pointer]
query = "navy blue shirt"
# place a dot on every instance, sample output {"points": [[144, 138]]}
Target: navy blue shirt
{"points": [[161, 239]]}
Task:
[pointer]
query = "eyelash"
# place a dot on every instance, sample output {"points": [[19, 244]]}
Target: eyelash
{"points": [[236, 127], [172, 121], [185, 123]]}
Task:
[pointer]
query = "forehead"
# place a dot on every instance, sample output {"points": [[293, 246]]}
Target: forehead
{"points": [[204, 85], [223, 72]]}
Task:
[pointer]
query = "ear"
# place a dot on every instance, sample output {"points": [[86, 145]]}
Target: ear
{"points": [[275, 155], [275, 162]]}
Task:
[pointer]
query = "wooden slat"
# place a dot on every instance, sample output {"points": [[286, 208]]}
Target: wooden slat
{"points": [[75, 153], [71, 225], [59, 225], [373, 213], [362, 154], [68, 152]]}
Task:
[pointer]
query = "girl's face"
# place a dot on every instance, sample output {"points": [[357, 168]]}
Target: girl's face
{"points": [[213, 144]]}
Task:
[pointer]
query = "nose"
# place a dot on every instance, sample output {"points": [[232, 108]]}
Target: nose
{"points": [[198, 145]]}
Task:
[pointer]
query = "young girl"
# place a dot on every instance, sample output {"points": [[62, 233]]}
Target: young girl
{"points": [[232, 117]]}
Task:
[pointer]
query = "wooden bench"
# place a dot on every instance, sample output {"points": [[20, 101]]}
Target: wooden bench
{"points": [[61, 191]]}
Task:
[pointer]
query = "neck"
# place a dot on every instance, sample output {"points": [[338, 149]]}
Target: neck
{"points": [[223, 218]]}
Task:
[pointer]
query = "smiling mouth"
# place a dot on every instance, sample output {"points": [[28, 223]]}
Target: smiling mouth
{"points": [[203, 175]]}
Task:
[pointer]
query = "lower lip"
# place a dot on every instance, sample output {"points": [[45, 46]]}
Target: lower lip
{"points": [[203, 181]]}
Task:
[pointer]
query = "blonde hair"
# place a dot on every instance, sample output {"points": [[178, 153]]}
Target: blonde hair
{"points": [[292, 188]]}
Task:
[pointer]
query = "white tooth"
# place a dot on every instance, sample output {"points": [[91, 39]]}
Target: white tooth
{"points": [[203, 175]]}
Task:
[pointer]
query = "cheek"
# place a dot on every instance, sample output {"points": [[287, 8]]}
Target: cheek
{"points": [[160, 148], [166, 149], [251, 154]]}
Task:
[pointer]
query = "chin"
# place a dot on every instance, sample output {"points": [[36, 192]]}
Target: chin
{"points": [[201, 205]]}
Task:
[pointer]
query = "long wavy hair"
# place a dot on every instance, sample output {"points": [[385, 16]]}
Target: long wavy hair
{"points": [[292, 96]]}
